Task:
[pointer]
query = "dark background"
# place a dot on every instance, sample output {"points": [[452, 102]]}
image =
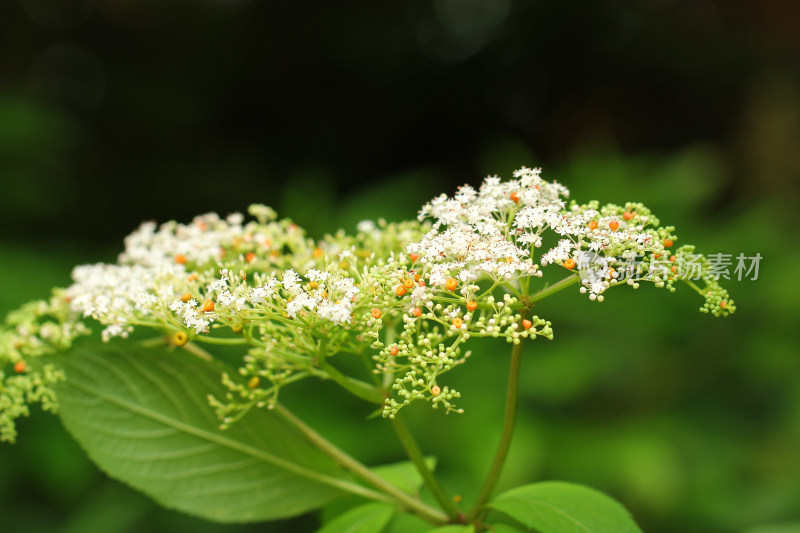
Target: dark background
{"points": [[113, 112]]}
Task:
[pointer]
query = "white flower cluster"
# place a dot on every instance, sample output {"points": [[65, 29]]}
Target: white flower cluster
{"points": [[180, 275], [202, 241], [495, 231], [473, 232], [468, 268], [118, 295]]}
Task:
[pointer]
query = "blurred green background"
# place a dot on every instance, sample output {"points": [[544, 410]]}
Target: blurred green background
{"points": [[112, 112]]}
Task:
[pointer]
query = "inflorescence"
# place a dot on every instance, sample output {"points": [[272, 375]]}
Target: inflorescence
{"points": [[403, 297]]}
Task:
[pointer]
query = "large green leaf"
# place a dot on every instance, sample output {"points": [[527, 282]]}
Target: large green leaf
{"points": [[367, 518], [504, 528], [143, 417], [793, 527], [454, 528], [558, 507]]}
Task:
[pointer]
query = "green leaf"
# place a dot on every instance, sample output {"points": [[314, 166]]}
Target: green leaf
{"points": [[454, 529], [793, 527], [367, 518], [404, 475], [504, 528], [142, 415], [405, 522], [558, 507]]}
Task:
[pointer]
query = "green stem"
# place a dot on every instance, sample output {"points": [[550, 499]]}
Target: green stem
{"points": [[237, 341], [415, 454], [563, 284], [388, 376], [198, 351], [414, 505], [161, 340], [505, 439]]}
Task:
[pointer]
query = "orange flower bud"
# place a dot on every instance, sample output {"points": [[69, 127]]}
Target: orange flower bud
{"points": [[569, 264], [393, 350], [208, 306], [19, 367], [413, 256], [249, 257], [401, 290], [416, 312], [408, 283], [457, 322], [471, 306], [627, 215], [514, 197], [376, 313], [451, 284], [668, 243], [613, 225], [180, 259], [593, 225], [186, 297], [436, 390]]}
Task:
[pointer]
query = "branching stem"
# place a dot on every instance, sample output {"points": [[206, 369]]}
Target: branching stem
{"points": [[411, 503]]}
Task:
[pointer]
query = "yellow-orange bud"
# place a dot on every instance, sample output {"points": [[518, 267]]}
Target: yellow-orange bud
{"points": [[180, 338]]}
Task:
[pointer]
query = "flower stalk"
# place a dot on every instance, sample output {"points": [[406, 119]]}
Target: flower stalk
{"points": [[509, 422], [415, 454], [407, 501]]}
